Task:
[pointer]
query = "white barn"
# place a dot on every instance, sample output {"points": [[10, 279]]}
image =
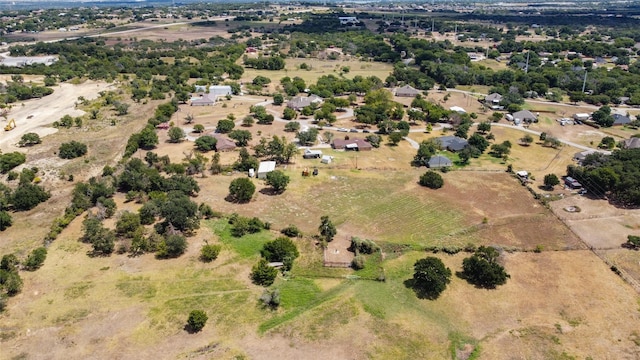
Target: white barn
{"points": [[265, 167]]}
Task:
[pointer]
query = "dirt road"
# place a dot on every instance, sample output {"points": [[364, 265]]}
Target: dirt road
{"points": [[37, 115]]}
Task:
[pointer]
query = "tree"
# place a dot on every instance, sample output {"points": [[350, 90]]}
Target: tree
{"points": [[633, 241], [551, 180], [189, 118], [10, 160], [308, 137], [71, 150], [291, 231], [173, 246], [526, 140], [206, 143], [241, 190], [197, 320], [263, 274], [148, 138], [430, 277], [248, 121], [289, 114], [603, 116], [5, 220], [198, 128], [27, 196], [281, 249], [127, 224], [242, 137], [426, 150], [395, 137], [224, 126], [543, 136], [483, 270], [431, 179], [278, 99], [292, 126], [278, 181], [176, 134], [29, 139], [327, 229], [35, 259], [499, 150], [484, 127], [607, 142], [209, 252], [178, 211]]}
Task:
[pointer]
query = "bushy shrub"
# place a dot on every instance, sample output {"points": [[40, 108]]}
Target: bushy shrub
{"points": [[363, 246], [197, 320], [36, 259], [72, 149], [208, 253], [291, 231]]}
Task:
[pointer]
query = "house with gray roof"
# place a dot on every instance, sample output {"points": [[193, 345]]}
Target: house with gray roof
{"points": [[619, 119], [300, 102], [633, 143], [493, 99], [407, 91], [452, 143], [524, 116], [439, 161]]}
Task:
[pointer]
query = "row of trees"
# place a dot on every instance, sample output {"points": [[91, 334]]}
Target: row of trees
{"points": [[482, 269]]}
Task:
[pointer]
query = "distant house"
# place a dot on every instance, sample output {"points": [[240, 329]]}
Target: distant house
{"points": [[572, 183], [265, 167], [407, 91], [458, 109], [580, 156], [619, 119], [300, 102], [203, 100], [352, 144], [524, 116], [220, 90], [581, 116], [348, 20], [452, 143], [633, 143], [493, 99], [223, 143], [312, 154], [439, 161]]}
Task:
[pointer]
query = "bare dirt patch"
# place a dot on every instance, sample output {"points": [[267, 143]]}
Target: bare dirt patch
{"points": [[37, 115]]}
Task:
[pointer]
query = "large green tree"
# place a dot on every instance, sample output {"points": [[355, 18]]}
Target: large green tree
{"points": [[483, 270], [241, 189], [278, 181], [430, 277], [263, 274], [327, 229]]}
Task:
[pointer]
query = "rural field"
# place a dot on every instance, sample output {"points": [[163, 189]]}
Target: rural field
{"points": [[573, 291]]}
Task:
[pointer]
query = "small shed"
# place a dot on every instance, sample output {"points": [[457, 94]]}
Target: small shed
{"points": [[439, 161], [326, 159], [581, 116], [312, 154], [458, 109], [265, 167], [523, 174]]}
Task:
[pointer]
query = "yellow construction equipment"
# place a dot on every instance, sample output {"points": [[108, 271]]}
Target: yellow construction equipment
{"points": [[11, 125]]}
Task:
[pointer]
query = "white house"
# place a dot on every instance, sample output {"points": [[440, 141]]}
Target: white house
{"points": [[345, 20], [265, 167]]}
